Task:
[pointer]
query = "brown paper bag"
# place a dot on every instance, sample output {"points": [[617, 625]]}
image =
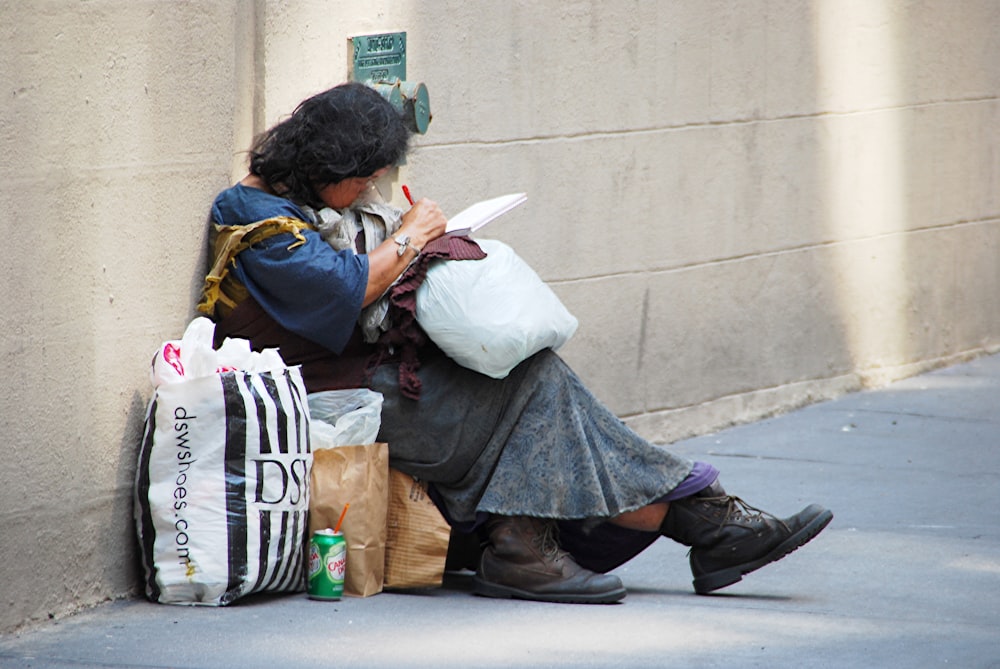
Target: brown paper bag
{"points": [[355, 475], [416, 544]]}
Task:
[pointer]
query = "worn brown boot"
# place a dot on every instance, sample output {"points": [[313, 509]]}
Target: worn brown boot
{"points": [[730, 538], [523, 561]]}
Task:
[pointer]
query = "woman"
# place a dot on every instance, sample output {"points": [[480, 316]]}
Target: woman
{"points": [[559, 489]]}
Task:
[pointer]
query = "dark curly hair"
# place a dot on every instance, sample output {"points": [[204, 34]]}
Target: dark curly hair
{"points": [[347, 131]]}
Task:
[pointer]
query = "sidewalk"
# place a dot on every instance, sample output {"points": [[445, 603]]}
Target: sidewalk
{"points": [[906, 575]]}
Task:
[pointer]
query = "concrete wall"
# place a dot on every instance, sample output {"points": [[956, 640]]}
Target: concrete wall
{"points": [[749, 205]]}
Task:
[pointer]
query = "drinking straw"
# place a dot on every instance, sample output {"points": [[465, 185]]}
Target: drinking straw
{"points": [[342, 514]]}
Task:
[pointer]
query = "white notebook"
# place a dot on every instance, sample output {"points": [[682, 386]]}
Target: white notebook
{"points": [[476, 216]]}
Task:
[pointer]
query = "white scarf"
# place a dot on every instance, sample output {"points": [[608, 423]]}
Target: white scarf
{"points": [[378, 220]]}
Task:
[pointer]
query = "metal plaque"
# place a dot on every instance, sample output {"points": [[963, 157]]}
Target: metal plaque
{"points": [[379, 57]]}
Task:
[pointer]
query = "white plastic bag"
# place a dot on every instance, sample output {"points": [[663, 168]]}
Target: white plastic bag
{"points": [[194, 356], [222, 483], [490, 314], [345, 417]]}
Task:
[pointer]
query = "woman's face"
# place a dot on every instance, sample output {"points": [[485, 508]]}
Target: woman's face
{"points": [[343, 193]]}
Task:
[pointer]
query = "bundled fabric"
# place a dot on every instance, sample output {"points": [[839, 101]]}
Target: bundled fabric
{"points": [[407, 335], [222, 483]]}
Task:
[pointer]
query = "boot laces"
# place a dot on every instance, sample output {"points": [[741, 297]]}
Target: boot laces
{"points": [[738, 511], [547, 540]]}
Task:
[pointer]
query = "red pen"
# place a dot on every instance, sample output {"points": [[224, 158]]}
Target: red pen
{"points": [[406, 192]]}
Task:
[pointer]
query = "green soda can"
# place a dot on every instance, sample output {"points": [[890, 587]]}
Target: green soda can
{"points": [[327, 563]]}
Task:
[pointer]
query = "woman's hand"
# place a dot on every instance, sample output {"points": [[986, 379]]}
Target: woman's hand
{"points": [[423, 223]]}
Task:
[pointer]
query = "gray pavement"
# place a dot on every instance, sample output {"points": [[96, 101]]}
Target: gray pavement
{"points": [[906, 575]]}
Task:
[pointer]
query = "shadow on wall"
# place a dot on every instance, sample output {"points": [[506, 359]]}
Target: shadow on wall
{"points": [[125, 567]]}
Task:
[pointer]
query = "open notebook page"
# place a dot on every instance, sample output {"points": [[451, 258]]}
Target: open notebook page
{"points": [[476, 216]]}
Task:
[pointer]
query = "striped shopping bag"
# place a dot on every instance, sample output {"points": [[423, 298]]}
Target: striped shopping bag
{"points": [[222, 483]]}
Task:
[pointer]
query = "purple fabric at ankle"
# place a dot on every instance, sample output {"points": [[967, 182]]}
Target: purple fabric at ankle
{"points": [[702, 475]]}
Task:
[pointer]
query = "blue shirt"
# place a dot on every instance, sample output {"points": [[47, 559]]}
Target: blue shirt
{"points": [[312, 290]]}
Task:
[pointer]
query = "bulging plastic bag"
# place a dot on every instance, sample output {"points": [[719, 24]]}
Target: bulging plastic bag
{"points": [[345, 417], [490, 314], [194, 356]]}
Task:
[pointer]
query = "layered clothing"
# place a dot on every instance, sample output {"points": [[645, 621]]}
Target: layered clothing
{"points": [[536, 443]]}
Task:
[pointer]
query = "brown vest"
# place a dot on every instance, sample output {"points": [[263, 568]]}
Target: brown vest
{"points": [[237, 315]]}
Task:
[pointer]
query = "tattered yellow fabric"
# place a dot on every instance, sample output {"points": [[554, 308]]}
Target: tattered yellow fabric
{"points": [[222, 292]]}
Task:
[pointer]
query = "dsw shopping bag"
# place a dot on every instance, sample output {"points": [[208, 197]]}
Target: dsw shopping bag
{"points": [[221, 493], [416, 544]]}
